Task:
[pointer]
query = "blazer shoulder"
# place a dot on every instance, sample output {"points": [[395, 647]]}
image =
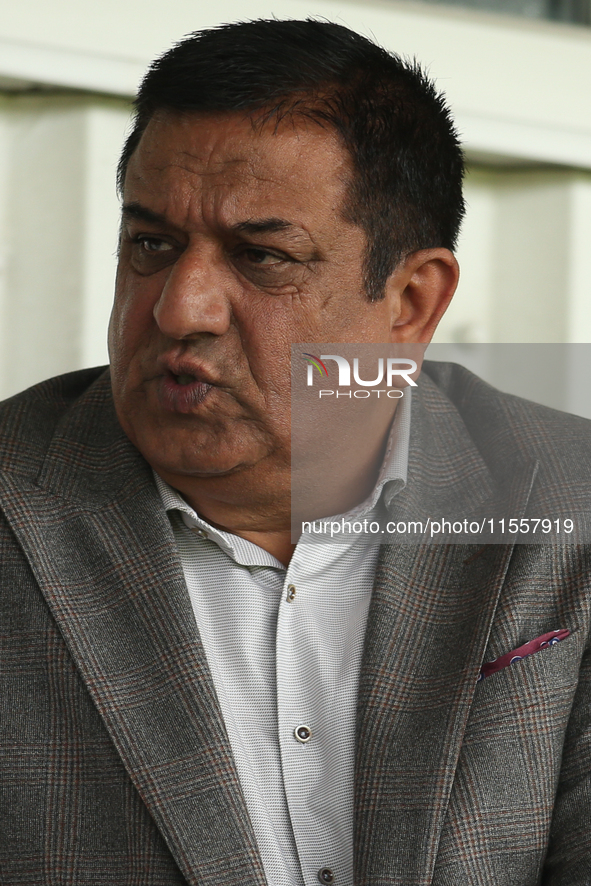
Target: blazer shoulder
{"points": [[28, 420], [506, 427]]}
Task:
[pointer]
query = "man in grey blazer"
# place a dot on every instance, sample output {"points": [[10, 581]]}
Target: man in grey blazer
{"points": [[285, 182]]}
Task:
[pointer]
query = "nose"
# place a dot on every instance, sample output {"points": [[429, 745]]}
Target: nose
{"points": [[195, 298]]}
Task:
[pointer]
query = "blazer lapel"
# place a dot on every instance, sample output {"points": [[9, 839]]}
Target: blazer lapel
{"points": [[100, 546], [428, 626]]}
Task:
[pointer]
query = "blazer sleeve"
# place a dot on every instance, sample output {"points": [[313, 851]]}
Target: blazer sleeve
{"points": [[568, 861]]}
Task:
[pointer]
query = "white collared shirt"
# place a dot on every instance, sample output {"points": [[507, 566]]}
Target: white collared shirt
{"points": [[284, 647]]}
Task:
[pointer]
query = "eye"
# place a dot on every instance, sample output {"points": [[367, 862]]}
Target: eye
{"points": [[150, 254], [261, 256], [152, 244], [266, 267]]}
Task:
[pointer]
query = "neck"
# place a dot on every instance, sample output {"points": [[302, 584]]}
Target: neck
{"points": [[244, 509], [257, 503]]}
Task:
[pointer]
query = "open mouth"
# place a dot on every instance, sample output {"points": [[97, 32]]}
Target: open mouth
{"points": [[183, 391], [184, 379], [187, 379]]}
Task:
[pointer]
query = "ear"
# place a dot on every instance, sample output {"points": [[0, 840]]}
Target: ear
{"points": [[419, 290]]}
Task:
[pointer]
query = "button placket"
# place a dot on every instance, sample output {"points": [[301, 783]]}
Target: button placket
{"points": [[295, 729], [301, 739]]}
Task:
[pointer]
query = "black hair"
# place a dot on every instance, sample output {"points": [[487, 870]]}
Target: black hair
{"points": [[406, 191]]}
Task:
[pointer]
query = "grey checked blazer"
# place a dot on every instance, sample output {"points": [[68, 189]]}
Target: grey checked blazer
{"points": [[116, 768]]}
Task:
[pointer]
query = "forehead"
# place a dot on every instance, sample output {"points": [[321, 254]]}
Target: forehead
{"points": [[222, 163]]}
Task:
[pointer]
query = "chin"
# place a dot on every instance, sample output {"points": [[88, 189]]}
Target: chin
{"points": [[195, 452], [209, 465]]}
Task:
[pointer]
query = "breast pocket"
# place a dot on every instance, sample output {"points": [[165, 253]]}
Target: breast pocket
{"points": [[509, 762]]}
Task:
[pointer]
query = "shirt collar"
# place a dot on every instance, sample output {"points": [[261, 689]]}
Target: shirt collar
{"points": [[239, 549], [394, 471]]}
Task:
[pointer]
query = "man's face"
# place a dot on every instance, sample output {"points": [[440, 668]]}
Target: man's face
{"points": [[234, 246]]}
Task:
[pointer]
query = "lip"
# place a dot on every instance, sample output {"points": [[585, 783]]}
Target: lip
{"points": [[184, 398]]}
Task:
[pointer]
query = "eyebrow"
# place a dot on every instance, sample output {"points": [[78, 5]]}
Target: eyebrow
{"points": [[142, 213], [270, 225], [262, 226], [135, 210]]}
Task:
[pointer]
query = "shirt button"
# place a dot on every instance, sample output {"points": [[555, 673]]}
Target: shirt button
{"points": [[303, 734], [325, 875], [200, 532], [291, 592]]}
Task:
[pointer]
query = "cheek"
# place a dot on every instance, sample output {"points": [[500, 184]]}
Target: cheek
{"points": [[264, 352], [356, 319], [131, 320]]}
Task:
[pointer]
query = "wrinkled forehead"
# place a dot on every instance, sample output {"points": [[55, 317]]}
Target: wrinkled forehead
{"points": [[229, 156], [210, 144]]}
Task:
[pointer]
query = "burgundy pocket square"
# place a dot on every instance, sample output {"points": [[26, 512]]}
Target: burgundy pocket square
{"points": [[503, 661]]}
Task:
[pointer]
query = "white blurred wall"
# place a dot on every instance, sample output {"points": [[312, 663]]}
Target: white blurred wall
{"points": [[520, 92], [58, 156]]}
